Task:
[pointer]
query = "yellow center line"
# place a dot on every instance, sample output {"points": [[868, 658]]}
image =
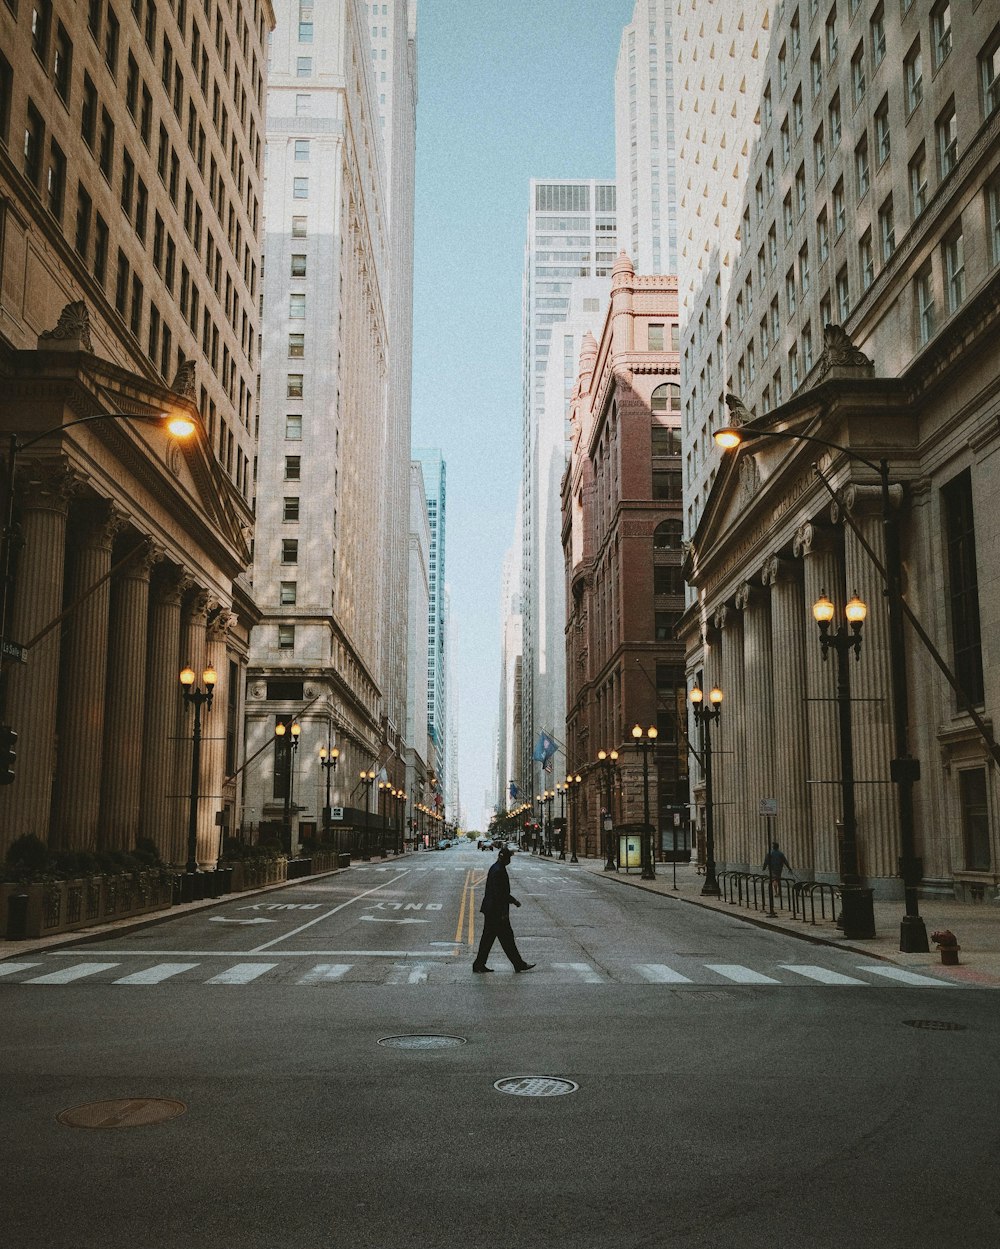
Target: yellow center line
{"points": [[461, 909]]}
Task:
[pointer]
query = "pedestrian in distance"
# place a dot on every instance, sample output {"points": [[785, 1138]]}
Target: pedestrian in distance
{"points": [[497, 901], [774, 864]]}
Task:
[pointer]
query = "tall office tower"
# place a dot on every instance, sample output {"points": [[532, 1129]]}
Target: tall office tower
{"points": [[644, 139], [855, 302], [434, 469], [130, 195], [452, 792], [570, 234], [419, 759], [509, 718], [333, 476]]}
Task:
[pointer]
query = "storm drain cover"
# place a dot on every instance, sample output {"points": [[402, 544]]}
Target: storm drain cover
{"points": [[421, 1041], [535, 1086], [935, 1025], [127, 1112]]}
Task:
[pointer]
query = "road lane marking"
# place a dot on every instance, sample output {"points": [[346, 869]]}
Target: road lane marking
{"points": [[659, 973], [741, 975], [70, 973], [242, 973], [153, 975], [822, 974], [447, 953], [462, 905], [908, 977], [583, 970], [322, 973], [326, 915], [7, 969]]}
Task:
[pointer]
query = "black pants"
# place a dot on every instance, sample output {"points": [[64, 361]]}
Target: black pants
{"points": [[497, 927]]}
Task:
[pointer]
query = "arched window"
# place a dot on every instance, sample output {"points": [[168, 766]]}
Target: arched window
{"points": [[667, 535], [666, 398]]}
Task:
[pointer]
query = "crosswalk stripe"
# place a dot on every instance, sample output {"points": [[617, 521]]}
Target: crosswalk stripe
{"points": [[324, 972], [77, 972], [908, 977], [741, 975], [242, 973], [153, 975], [8, 969], [584, 970], [822, 974], [659, 973]]}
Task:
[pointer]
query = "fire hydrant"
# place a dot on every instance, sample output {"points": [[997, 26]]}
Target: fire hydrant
{"points": [[947, 943]]}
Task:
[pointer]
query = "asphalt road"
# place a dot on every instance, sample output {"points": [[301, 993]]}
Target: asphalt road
{"points": [[730, 1086]]}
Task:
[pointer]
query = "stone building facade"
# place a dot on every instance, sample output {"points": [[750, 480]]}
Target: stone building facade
{"points": [[130, 176], [621, 498]]}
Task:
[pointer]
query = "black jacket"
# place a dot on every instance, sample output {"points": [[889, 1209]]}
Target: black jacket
{"points": [[497, 896]]}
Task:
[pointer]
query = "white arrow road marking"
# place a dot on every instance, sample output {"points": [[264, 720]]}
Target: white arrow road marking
{"points": [[376, 919], [326, 914], [407, 975], [219, 919]]}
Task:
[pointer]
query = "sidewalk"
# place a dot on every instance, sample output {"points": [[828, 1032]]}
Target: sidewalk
{"points": [[976, 925]]}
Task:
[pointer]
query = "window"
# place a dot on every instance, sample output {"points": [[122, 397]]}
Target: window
{"points": [[775, 320], [303, 105], [796, 34], [300, 188], [293, 468], [790, 292], [665, 439], [918, 182], [887, 229], [667, 535], [836, 122], [667, 579], [289, 550], [299, 227], [924, 289], [34, 140], [816, 72], [767, 111], [825, 309], [667, 486], [135, 321], [654, 337], [804, 277], [882, 130], [84, 210], [843, 295], [297, 306], [953, 251], [786, 144], [301, 149], [989, 74], [41, 19], [877, 32], [293, 427], [88, 115], [831, 35], [786, 215], [286, 640], [861, 168], [839, 209], [913, 77], [63, 63], [290, 508], [769, 175], [858, 74], [975, 819], [55, 180], [111, 29], [128, 183], [303, 66], [823, 236], [782, 74], [800, 190], [797, 113], [793, 369], [666, 398], [287, 593], [101, 234], [963, 585], [298, 265], [940, 32], [294, 385], [105, 157], [993, 219], [666, 624], [946, 130], [866, 259], [296, 345], [772, 247], [807, 347]]}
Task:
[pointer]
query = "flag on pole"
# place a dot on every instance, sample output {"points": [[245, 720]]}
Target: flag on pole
{"points": [[545, 748], [547, 765], [513, 791]]}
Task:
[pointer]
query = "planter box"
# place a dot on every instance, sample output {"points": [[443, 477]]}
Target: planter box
{"points": [[68, 905]]}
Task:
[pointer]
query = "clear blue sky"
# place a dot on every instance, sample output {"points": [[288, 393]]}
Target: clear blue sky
{"points": [[507, 91]]}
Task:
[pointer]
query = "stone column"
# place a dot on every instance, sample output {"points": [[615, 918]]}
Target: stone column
{"points": [[817, 548], [871, 690], [194, 617], [728, 744], [213, 747], [161, 811], [84, 681], [33, 688], [790, 628], [758, 760], [126, 698]]}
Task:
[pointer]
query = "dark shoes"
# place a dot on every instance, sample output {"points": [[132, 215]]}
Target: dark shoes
{"points": [[480, 970], [525, 967]]}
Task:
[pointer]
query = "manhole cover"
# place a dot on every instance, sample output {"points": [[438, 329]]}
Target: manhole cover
{"points": [[127, 1112], [935, 1025], [535, 1086], [421, 1041]]}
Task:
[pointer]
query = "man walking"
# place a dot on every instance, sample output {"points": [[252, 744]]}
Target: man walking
{"points": [[497, 900]]}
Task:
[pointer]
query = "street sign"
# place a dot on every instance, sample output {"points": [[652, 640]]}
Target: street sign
{"points": [[14, 650], [336, 813], [768, 806]]}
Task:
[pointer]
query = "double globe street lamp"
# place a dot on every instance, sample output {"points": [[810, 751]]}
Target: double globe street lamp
{"points": [[286, 744], [607, 760], [197, 697], [329, 756], [705, 718], [573, 785], [646, 742]]}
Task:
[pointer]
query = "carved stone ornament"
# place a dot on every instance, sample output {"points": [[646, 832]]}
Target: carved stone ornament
{"points": [[220, 624], [739, 413], [749, 478], [840, 353], [72, 331], [184, 379]]}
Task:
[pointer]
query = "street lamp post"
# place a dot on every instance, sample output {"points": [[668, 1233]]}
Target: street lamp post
{"points": [[549, 796], [646, 742], [561, 789], [706, 716], [574, 781], [328, 758], [197, 698], [858, 912], [368, 780], [287, 736], [607, 760], [904, 768]]}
